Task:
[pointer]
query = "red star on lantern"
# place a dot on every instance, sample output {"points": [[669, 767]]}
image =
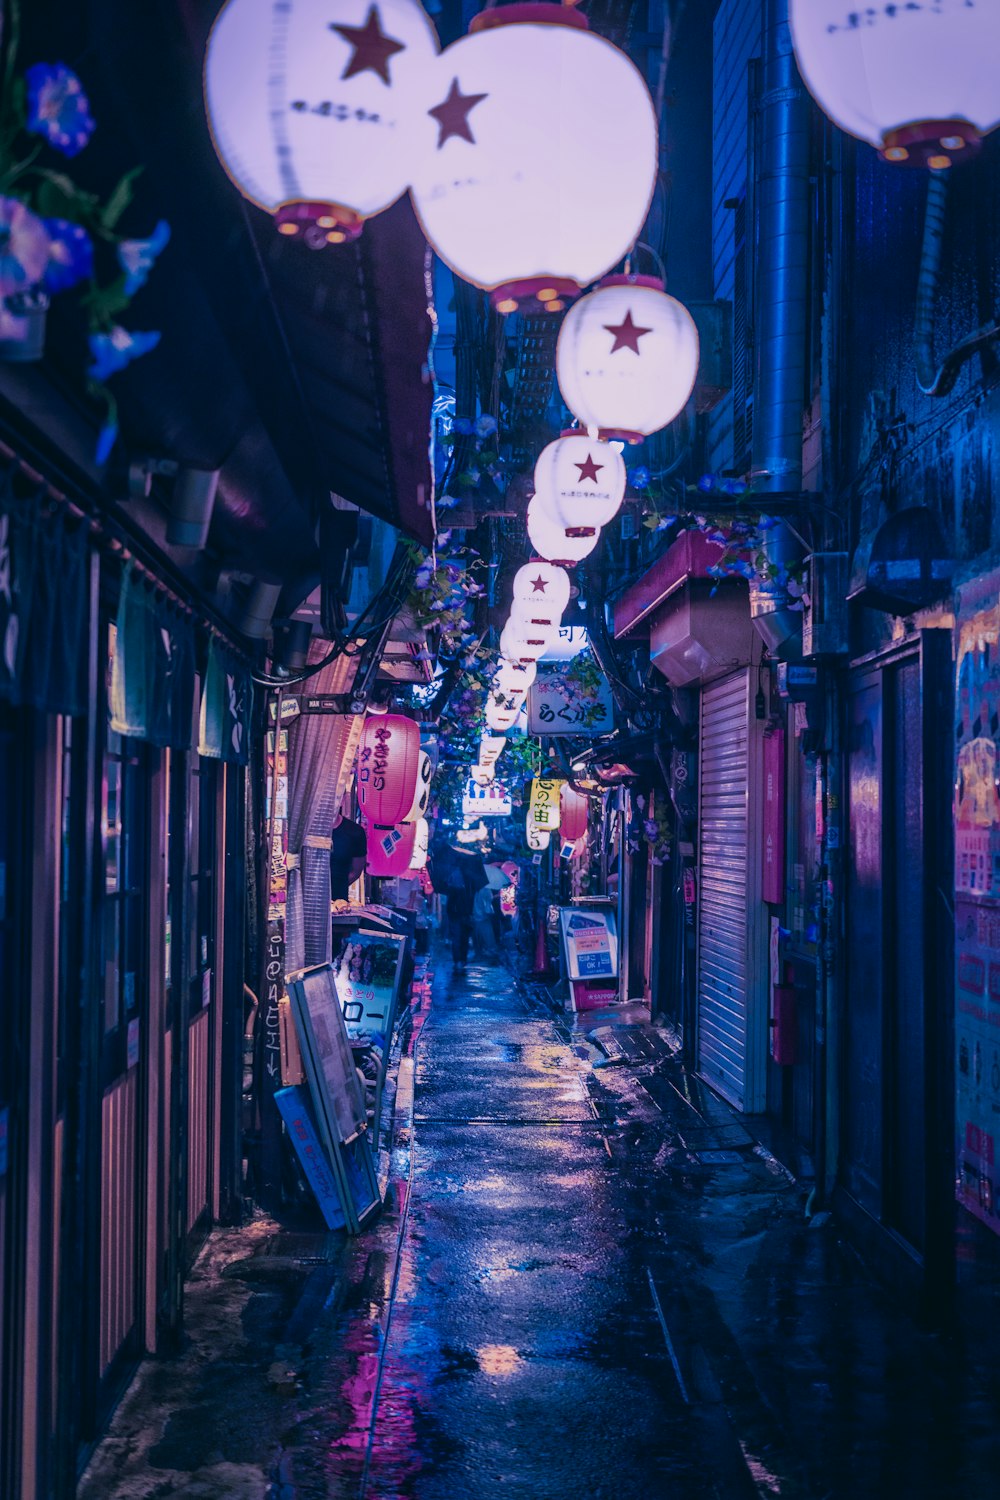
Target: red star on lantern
{"points": [[452, 114], [589, 470], [372, 48], [627, 334], [539, 584]]}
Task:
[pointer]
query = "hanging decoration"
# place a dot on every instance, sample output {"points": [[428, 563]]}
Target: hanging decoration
{"points": [[389, 849], [490, 749], [526, 643], [919, 82], [552, 541], [315, 107], [499, 717], [537, 838], [421, 845], [512, 677], [573, 808], [388, 767], [482, 775], [544, 803], [422, 793], [582, 483], [532, 110], [627, 358]]}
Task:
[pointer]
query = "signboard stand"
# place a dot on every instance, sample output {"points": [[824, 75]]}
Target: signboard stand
{"points": [[590, 953]]}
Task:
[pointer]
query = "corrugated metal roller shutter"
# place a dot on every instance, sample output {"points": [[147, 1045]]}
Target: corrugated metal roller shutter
{"points": [[723, 986]]}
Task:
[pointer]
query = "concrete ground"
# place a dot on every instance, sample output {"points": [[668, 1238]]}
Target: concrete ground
{"points": [[588, 1283]]}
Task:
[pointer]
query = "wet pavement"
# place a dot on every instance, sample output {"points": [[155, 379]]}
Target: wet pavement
{"points": [[589, 1282]]}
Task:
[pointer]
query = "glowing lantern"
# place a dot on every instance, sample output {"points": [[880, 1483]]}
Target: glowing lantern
{"points": [[421, 845], [538, 838], [541, 593], [540, 155], [554, 542], [917, 81], [627, 358], [490, 748], [482, 775], [512, 676], [422, 794], [388, 767], [499, 718], [390, 849], [572, 813], [313, 107], [526, 643], [581, 481], [543, 804]]}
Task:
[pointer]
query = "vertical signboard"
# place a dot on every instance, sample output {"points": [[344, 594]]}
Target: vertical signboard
{"points": [[773, 841], [977, 901]]}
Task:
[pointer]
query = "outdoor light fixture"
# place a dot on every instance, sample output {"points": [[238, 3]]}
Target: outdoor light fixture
{"points": [[539, 155], [540, 588], [499, 718], [490, 748], [573, 809], [314, 107], [917, 81], [627, 358], [511, 677], [581, 481], [544, 803], [482, 775], [526, 643], [554, 542], [389, 849], [537, 838], [388, 767], [422, 792]]}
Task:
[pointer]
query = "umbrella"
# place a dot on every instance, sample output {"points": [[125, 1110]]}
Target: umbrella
{"points": [[497, 878]]}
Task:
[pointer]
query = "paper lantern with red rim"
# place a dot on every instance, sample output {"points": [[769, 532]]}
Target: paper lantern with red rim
{"points": [[388, 766], [552, 541], [537, 838], [422, 791], [540, 155], [421, 845], [627, 358], [573, 808], [511, 677], [526, 643], [919, 82], [581, 481], [314, 107]]}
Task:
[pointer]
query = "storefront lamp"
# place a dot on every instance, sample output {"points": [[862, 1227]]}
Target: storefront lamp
{"points": [[919, 82], [422, 793], [573, 808], [499, 718], [537, 838], [421, 845], [554, 542], [582, 482], [539, 155], [526, 643], [388, 766], [314, 107], [512, 677], [627, 358]]}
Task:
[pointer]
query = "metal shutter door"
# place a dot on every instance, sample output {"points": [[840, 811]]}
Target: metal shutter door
{"points": [[723, 910]]}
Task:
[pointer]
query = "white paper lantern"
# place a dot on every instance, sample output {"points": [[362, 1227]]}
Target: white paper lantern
{"points": [[511, 676], [540, 591], [314, 106], [498, 718], [422, 794], [491, 746], [540, 155], [581, 481], [554, 542], [421, 845], [526, 643], [627, 358], [482, 775], [920, 82], [536, 837]]}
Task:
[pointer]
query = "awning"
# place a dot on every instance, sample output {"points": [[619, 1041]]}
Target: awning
{"points": [[690, 556]]}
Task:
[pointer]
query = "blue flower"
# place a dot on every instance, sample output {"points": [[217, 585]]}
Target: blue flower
{"points": [[112, 351], [486, 425], [24, 247], [107, 438], [58, 107], [664, 522], [463, 426], [138, 257], [640, 477], [71, 255]]}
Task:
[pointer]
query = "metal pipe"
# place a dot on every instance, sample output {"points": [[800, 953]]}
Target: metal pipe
{"points": [[783, 263], [937, 378]]}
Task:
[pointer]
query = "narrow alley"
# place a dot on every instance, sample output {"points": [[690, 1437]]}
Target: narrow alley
{"points": [[589, 1282]]}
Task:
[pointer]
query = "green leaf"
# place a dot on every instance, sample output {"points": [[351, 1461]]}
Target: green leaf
{"points": [[120, 199]]}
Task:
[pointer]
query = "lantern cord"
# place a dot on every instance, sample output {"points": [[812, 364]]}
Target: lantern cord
{"points": [[938, 378]]}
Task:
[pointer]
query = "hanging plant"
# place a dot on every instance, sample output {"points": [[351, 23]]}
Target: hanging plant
{"points": [[56, 236], [445, 590]]}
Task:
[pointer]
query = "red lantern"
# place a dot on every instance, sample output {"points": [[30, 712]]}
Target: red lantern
{"points": [[388, 765], [390, 849], [572, 813]]}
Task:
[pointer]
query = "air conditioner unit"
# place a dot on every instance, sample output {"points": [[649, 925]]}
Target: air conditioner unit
{"points": [[824, 623]]}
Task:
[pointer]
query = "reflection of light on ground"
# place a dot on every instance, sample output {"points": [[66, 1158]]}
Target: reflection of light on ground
{"points": [[498, 1359]]}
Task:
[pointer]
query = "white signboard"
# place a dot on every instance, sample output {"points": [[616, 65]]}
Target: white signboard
{"points": [[591, 944], [559, 705], [571, 640], [491, 801]]}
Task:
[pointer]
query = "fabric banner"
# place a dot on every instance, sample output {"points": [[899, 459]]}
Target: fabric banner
{"points": [[44, 597], [152, 667], [226, 706]]}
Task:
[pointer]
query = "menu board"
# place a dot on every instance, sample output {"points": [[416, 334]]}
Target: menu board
{"points": [[591, 943], [366, 971]]}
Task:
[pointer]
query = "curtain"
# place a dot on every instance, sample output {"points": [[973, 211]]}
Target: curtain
{"points": [[226, 706], [321, 750]]}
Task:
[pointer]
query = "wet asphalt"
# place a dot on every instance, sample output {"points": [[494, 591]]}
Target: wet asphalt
{"points": [[587, 1284]]}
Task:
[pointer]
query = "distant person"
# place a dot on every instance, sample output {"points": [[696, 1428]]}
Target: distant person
{"points": [[465, 875], [348, 849]]}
